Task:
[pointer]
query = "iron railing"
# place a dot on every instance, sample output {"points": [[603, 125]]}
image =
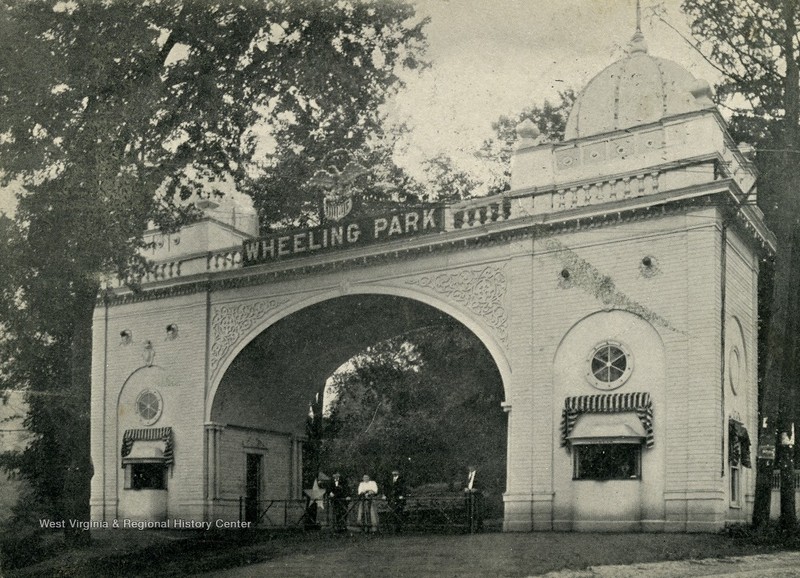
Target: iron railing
{"points": [[426, 513]]}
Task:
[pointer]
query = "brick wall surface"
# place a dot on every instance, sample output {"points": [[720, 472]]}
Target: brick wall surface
{"points": [[235, 443]]}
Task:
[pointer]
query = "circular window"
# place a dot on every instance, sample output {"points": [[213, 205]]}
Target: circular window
{"points": [[149, 406], [610, 365], [734, 369]]}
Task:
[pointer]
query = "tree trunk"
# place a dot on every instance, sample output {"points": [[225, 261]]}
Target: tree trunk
{"points": [[77, 479], [788, 517], [765, 435], [763, 498], [785, 449], [779, 376], [781, 365]]}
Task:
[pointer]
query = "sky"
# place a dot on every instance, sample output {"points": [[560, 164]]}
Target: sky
{"points": [[495, 57]]}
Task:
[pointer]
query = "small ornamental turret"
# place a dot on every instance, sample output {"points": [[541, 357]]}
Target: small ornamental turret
{"points": [[528, 133]]}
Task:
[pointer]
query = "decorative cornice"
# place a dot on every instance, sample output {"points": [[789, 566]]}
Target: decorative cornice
{"points": [[229, 323], [140, 296], [481, 290]]}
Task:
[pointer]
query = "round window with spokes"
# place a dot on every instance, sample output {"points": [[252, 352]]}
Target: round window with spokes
{"points": [[149, 406], [610, 365]]}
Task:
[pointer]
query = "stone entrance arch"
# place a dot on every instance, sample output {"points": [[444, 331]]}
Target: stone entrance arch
{"points": [[259, 405], [235, 325]]}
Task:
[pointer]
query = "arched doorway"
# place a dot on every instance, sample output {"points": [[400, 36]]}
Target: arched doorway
{"points": [[262, 400]]}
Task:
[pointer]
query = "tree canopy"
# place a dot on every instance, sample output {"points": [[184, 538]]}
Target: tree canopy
{"points": [[550, 119], [427, 402]]}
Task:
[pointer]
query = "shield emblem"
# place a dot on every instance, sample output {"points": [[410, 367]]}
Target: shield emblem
{"points": [[337, 208]]}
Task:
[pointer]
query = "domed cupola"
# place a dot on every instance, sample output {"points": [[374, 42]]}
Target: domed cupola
{"points": [[638, 89], [633, 133]]}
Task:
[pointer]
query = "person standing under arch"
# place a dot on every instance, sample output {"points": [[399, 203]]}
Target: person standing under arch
{"points": [[337, 496], [396, 497], [367, 505], [474, 497]]}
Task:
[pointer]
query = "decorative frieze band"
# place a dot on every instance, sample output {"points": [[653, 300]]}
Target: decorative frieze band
{"points": [[481, 290]]}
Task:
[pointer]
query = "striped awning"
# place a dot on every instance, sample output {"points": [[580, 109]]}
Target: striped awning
{"points": [[638, 402], [149, 434], [738, 444]]}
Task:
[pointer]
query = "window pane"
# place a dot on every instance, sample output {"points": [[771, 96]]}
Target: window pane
{"points": [[609, 363], [148, 476], [148, 405], [614, 373], [607, 461], [734, 485]]}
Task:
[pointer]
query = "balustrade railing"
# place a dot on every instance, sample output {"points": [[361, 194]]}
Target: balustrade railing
{"points": [[462, 215], [166, 270], [600, 191], [475, 214], [222, 260]]}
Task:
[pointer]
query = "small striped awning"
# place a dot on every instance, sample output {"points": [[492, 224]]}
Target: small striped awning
{"points": [[637, 402], [738, 444], [598, 427], [163, 434]]}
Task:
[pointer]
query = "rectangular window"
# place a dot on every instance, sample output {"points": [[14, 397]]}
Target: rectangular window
{"points": [[607, 462], [146, 476], [735, 484]]}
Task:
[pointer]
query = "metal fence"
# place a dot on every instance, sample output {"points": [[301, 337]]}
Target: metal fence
{"points": [[274, 513], [429, 513]]}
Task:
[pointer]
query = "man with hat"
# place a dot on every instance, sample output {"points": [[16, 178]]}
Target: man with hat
{"points": [[396, 496], [337, 497]]}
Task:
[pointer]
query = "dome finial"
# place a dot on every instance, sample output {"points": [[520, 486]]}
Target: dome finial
{"points": [[638, 44]]}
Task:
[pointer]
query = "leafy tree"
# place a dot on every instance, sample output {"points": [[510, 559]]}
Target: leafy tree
{"points": [[754, 45], [447, 182], [114, 113], [550, 120], [427, 402]]}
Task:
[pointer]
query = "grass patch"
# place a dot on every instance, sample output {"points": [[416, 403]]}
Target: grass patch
{"points": [[172, 553]]}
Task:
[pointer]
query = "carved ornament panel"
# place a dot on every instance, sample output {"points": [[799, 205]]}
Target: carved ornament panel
{"points": [[229, 323], [481, 290]]}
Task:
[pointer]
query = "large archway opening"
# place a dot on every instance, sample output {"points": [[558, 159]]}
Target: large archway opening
{"points": [[408, 387]]}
